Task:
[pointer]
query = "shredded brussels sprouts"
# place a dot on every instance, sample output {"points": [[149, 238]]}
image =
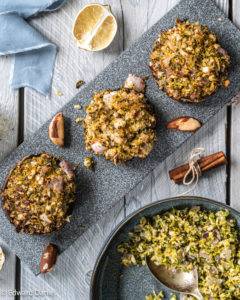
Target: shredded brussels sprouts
{"points": [[191, 238], [155, 296]]}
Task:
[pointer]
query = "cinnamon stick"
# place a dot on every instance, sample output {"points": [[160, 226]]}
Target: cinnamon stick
{"points": [[205, 163]]}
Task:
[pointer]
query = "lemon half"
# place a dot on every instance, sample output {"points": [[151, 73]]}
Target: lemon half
{"points": [[95, 27]]}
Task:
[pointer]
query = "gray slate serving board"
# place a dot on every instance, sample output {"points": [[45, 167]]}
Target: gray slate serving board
{"points": [[99, 190]]}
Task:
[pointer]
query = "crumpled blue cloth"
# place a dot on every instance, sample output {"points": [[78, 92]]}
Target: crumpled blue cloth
{"points": [[34, 55]]}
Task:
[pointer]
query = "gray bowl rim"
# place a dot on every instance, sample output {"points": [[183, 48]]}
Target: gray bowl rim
{"points": [[132, 215]]}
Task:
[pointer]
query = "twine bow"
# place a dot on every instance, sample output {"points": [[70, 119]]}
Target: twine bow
{"points": [[194, 172]]}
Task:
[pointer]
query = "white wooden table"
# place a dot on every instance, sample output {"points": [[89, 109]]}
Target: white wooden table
{"points": [[26, 111]]}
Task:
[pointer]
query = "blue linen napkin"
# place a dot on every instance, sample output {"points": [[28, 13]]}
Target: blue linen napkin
{"points": [[34, 55]]}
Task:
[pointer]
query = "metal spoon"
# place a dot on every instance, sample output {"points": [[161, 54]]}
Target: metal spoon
{"points": [[178, 281]]}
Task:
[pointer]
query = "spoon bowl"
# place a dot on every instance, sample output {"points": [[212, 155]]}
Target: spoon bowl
{"points": [[176, 280]]}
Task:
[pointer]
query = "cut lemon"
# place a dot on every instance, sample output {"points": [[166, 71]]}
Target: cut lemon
{"points": [[95, 27]]}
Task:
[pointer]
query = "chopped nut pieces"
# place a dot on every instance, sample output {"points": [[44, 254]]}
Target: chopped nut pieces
{"points": [[56, 130], [77, 106], [88, 162], [79, 83], [226, 83], [184, 124], [2, 258], [188, 63], [48, 258], [120, 124], [67, 169], [38, 194], [79, 120], [135, 82]]}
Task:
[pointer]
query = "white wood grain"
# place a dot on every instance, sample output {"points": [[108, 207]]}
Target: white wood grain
{"points": [[235, 131], [7, 274], [8, 141], [140, 15], [8, 110], [223, 5], [235, 154]]}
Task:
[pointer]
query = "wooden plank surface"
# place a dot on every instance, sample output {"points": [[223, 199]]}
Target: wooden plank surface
{"points": [[8, 141], [235, 131], [70, 280]]}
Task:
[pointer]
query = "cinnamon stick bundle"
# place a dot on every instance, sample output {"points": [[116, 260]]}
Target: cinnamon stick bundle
{"points": [[205, 163]]}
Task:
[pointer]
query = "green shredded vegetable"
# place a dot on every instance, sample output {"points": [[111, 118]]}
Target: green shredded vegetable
{"points": [[191, 238], [155, 296]]}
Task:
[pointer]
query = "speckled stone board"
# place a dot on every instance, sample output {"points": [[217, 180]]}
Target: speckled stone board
{"points": [[99, 190]]}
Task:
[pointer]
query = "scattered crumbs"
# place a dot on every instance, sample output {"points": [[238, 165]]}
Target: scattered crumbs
{"points": [[88, 162], [68, 218], [58, 93], [219, 19], [226, 83], [79, 120], [77, 106], [79, 83]]}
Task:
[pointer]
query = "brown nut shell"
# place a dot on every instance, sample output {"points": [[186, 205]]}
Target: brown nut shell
{"points": [[186, 123], [56, 130], [48, 258]]}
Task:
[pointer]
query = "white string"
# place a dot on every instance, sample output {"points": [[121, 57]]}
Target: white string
{"points": [[194, 172]]}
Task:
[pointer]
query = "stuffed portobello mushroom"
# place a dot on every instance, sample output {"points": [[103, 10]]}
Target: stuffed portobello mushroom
{"points": [[38, 194], [120, 124], [188, 63]]}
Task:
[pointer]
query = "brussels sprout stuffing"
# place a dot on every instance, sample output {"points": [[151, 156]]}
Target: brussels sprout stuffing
{"points": [[155, 296], [191, 238], [188, 62]]}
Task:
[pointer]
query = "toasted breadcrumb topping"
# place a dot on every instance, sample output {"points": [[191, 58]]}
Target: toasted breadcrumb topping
{"points": [[188, 62], [38, 193], [120, 124]]}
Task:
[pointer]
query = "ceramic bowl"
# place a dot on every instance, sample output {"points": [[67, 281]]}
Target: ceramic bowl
{"points": [[110, 280]]}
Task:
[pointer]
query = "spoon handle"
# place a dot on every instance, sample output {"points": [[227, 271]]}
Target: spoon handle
{"points": [[197, 294]]}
